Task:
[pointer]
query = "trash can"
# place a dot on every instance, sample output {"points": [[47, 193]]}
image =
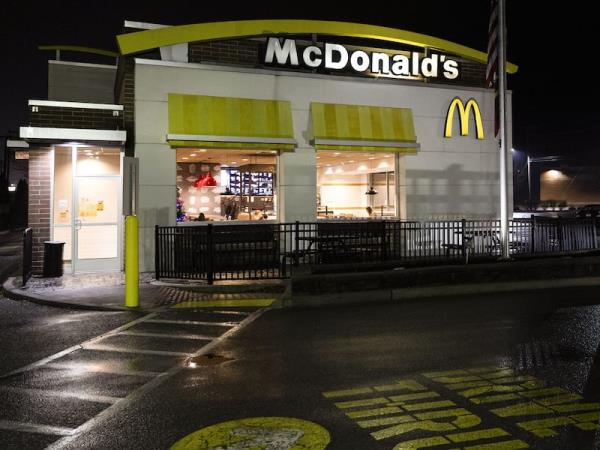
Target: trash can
{"points": [[53, 258]]}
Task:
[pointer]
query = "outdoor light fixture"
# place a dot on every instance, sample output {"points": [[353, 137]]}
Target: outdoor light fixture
{"points": [[12, 188]]}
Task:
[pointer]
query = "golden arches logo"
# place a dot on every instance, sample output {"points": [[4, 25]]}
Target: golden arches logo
{"points": [[464, 111]]}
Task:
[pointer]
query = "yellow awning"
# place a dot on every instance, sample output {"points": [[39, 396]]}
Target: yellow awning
{"points": [[363, 128], [227, 122]]}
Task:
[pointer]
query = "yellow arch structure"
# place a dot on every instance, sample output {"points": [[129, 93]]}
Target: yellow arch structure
{"points": [[141, 41], [464, 110], [79, 49]]}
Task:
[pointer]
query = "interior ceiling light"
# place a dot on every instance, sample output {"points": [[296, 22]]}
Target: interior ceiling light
{"points": [[371, 191]]}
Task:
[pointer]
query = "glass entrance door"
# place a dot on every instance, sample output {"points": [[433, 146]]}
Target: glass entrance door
{"points": [[87, 207], [97, 209]]}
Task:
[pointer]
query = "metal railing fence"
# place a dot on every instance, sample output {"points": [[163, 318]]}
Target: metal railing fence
{"points": [[273, 250]]}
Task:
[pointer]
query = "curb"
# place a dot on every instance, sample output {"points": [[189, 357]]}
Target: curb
{"points": [[276, 285], [12, 291], [401, 294]]}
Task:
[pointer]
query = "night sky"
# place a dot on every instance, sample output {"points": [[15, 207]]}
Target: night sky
{"points": [[555, 92]]}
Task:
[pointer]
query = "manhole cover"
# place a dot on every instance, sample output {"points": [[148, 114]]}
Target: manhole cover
{"points": [[210, 359]]}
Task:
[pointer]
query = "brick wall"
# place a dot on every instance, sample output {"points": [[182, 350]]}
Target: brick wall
{"points": [[81, 118], [236, 52], [40, 174]]}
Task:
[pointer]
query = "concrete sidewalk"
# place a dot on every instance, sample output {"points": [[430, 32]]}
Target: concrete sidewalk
{"points": [[106, 292]]}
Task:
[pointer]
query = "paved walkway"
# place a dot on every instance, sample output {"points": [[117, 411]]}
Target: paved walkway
{"points": [[106, 291]]}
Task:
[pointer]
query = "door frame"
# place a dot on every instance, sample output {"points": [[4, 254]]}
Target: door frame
{"points": [[78, 266]]}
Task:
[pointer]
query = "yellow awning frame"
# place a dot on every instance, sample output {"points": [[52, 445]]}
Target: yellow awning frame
{"points": [[229, 122], [343, 127]]}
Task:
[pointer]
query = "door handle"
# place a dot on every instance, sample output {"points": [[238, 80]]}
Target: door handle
{"points": [[78, 224]]}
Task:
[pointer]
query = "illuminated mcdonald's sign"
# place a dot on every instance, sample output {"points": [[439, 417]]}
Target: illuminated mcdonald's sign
{"points": [[464, 111]]}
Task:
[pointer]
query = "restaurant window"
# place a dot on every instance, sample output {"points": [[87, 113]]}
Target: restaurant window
{"points": [[218, 185], [355, 185]]}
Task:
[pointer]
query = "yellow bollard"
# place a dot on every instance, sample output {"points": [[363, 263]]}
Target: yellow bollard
{"points": [[131, 262]]}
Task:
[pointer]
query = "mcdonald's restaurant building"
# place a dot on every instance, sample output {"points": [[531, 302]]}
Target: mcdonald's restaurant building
{"points": [[309, 121]]}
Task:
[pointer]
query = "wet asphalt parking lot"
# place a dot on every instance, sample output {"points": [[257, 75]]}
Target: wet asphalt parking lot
{"points": [[518, 370]]}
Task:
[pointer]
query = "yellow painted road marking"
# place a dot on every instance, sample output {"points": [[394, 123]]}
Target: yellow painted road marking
{"points": [[407, 397], [456, 379], [408, 385], [233, 303], [428, 405], [373, 412], [446, 373], [385, 421], [488, 369], [476, 435], [284, 433], [494, 398], [521, 409], [499, 374], [365, 402], [586, 417], [572, 407], [486, 389], [506, 445], [347, 392], [558, 399], [516, 379], [421, 443], [544, 392], [543, 427], [440, 414], [469, 384], [424, 425]]}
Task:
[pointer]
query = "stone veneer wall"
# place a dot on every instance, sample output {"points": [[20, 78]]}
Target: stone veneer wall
{"points": [[40, 190]]}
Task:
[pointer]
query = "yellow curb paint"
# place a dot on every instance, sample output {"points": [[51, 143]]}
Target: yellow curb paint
{"points": [[475, 435], [506, 445], [495, 398], [366, 402], [521, 409], [373, 412], [285, 433], [347, 392], [421, 443], [407, 397], [428, 405], [384, 421], [234, 303]]}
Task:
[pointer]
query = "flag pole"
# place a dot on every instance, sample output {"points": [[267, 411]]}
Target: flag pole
{"points": [[504, 231]]}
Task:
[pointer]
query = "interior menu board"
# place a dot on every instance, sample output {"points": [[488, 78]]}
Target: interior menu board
{"points": [[252, 183]]}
